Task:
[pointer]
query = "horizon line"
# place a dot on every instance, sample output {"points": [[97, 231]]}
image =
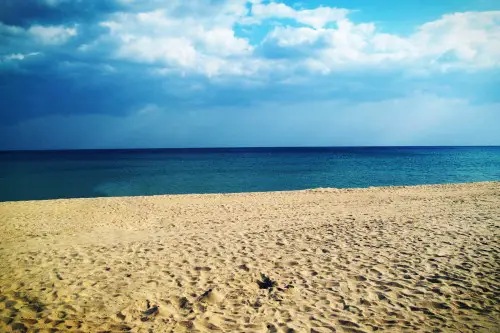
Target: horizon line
{"points": [[243, 147]]}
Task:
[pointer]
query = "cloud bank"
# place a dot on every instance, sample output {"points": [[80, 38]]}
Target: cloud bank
{"points": [[234, 72]]}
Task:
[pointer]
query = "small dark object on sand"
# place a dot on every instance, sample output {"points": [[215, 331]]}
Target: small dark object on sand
{"points": [[266, 282], [205, 295], [152, 311], [184, 303]]}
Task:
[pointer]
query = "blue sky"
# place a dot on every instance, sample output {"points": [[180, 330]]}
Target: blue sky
{"points": [[212, 73]]}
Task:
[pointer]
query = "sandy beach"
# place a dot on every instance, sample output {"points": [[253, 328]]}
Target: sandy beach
{"points": [[391, 259]]}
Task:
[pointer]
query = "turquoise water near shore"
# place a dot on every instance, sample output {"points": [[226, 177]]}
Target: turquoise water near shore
{"points": [[96, 173]]}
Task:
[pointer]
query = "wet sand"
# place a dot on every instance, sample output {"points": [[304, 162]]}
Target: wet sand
{"points": [[393, 259]]}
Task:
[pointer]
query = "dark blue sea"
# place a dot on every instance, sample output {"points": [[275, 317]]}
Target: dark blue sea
{"points": [[97, 173]]}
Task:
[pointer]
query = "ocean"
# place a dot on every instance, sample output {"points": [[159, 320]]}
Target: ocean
{"points": [[37, 175]]}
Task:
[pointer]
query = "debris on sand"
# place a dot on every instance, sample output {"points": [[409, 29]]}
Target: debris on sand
{"points": [[266, 282], [151, 312]]}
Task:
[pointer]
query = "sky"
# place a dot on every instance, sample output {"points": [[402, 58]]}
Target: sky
{"points": [[85, 74]]}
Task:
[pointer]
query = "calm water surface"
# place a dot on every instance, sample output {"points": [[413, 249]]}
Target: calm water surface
{"points": [[70, 174]]}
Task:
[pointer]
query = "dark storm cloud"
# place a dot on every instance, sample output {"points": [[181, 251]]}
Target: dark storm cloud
{"points": [[27, 12]]}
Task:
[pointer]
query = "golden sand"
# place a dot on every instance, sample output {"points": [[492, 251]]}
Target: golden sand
{"points": [[423, 258]]}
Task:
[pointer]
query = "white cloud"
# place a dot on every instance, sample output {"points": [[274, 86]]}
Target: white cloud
{"points": [[470, 39], [171, 50], [206, 45], [316, 18], [52, 35], [209, 45], [223, 42], [459, 41], [292, 36], [10, 30], [200, 37], [18, 56]]}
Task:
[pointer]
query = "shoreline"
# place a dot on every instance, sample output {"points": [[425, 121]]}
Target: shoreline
{"points": [[345, 260], [314, 189]]}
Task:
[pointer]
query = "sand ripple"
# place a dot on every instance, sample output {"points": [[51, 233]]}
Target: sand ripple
{"points": [[403, 259]]}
